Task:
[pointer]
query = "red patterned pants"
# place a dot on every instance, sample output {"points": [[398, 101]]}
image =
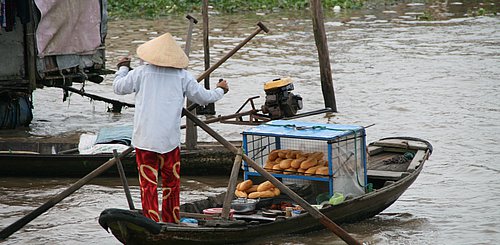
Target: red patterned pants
{"points": [[148, 163]]}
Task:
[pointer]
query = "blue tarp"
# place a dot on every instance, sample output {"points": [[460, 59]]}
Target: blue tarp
{"points": [[305, 130], [116, 134]]}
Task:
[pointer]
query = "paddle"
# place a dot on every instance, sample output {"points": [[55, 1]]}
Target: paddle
{"points": [[9, 230], [323, 219]]}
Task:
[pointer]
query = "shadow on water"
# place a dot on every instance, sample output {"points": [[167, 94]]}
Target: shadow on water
{"points": [[435, 79]]}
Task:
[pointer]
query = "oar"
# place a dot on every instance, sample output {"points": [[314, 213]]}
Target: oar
{"points": [[9, 230], [323, 219], [260, 27], [231, 186], [124, 180]]}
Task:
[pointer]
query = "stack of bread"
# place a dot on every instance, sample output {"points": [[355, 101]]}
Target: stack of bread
{"points": [[247, 189], [296, 162]]}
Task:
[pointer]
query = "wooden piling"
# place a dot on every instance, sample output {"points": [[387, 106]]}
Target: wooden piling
{"points": [[323, 55]]}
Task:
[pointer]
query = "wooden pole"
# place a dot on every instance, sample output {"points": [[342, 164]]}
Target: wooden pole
{"points": [[124, 180], [323, 219], [231, 186], [30, 49], [210, 108], [191, 131], [9, 230], [323, 55]]}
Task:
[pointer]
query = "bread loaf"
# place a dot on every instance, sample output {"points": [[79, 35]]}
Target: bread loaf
{"points": [[277, 192], [277, 168], [282, 153], [273, 155], [269, 165], [268, 193], [278, 160], [322, 170], [252, 189], [241, 194], [301, 171], [264, 186], [293, 154], [245, 185], [318, 155], [254, 195], [286, 163], [296, 162], [311, 170], [309, 162], [302, 154]]}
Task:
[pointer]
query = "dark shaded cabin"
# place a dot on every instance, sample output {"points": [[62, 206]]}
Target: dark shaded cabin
{"points": [[47, 43]]}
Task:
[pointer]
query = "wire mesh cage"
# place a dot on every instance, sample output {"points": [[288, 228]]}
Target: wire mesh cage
{"points": [[302, 153]]}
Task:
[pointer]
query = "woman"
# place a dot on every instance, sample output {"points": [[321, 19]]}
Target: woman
{"points": [[160, 88]]}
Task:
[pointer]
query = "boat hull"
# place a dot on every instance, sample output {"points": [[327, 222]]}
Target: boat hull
{"points": [[356, 209]]}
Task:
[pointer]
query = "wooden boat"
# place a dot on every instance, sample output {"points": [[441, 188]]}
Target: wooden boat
{"points": [[390, 171], [47, 159]]}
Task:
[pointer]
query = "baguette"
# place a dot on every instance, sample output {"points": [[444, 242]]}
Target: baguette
{"points": [[252, 189], [278, 160], [311, 170], [290, 171], [269, 165], [240, 193], [254, 195], [283, 153], [296, 162], [268, 193], [264, 186], [276, 168], [277, 192], [273, 155], [293, 154], [310, 162], [245, 185], [318, 155], [322, 170], [286, 163]]}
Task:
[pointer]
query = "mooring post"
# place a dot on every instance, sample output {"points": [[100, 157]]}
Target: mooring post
{"points": [[210, 108], [191, 131], [323, 55]]}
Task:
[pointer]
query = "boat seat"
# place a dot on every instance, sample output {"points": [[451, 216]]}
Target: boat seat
{"points": [[417, 160], [385, 175]]}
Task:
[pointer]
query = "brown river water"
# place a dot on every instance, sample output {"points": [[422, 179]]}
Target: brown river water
{"points": [[438, 80]]}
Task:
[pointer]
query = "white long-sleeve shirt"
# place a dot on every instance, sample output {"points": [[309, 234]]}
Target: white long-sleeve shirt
{"points": [[159, 99]]}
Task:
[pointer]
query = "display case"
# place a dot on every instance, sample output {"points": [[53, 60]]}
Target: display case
{"points": [[309, 152]]}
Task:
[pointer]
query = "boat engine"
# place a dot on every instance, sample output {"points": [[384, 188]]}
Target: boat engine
{"points": [[280, 102]]}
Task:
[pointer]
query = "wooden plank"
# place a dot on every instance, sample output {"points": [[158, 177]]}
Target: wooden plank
{"points": [[401, 143], [388, 175], [372, 150], [197, 215], [417, 160]]}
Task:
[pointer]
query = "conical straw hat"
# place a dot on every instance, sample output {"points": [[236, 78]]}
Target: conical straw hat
{"points": [[163, 51]]}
